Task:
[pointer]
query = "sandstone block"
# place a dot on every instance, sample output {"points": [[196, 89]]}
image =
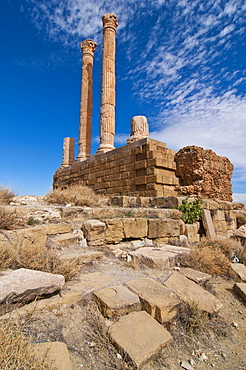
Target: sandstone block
{"points": [[158, 257], [55, 241], [156, 299], [191, 231], [135, 228], [208, 224], [240, 270], [94, 231], [240, 288], [62, 228], [92, 281], [139, 336], [193, 294], [116, 301], [158, 228], [114, 231], [56, 354], [25, 285], [197, 276]]}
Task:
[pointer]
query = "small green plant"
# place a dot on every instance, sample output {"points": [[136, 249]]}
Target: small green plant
{"points": [[129, 214], [191, 210], [32, 221]]}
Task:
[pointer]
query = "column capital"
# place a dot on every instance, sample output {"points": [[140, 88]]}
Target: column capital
{"points": [[88, 46], [110, 20]]}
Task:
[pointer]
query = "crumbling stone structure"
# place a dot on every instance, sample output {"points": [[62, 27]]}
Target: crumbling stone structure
{"points": [[144, 167], [202, 172]]}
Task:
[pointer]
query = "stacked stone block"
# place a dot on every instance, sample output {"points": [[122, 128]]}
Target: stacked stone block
{"points": [[144, 168]]}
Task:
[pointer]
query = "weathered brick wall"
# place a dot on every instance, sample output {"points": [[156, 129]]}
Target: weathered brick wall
{"points": [[144, 168], [202, 172]]}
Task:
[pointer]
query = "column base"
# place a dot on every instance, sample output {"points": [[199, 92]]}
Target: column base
{"points": [[104, 148]]}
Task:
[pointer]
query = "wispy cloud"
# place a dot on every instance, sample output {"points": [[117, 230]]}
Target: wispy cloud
{"points": [[184, 63]]}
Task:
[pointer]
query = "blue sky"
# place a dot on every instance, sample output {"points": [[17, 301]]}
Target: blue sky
{"points": [[181, 63]]}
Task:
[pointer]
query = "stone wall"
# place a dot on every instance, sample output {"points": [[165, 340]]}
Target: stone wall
{"points": [[203, 173], [143, 168]]}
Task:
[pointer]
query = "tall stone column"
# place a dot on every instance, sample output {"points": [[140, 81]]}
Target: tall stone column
{"points": [[85, 127], [107, 113], [68, 152]]}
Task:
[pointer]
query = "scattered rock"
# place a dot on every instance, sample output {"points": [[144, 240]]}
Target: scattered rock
{"points": [[140, 336], [240, 270], [186, 365], [116, 301], [156, 299], [240, 288], [191, 293], [25, 285]]}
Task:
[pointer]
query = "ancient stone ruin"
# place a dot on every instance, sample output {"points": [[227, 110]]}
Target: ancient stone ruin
{"points": [[143, 167]]}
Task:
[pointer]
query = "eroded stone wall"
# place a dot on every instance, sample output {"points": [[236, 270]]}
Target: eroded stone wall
{"points": [[143, 168], [202, 172]]}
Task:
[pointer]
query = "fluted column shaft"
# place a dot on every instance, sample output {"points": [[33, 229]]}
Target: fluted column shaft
{"points": [[107, 111], [85, 126]]}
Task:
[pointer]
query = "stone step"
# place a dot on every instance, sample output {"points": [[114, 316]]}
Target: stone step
{"points": [[82, 257], [159, 301], [197, 276], [139, 336], [56, 241], [116, 301], [159, 257], [193, 294]]}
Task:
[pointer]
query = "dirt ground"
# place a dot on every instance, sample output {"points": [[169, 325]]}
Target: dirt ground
{"points": [[219, 344]]}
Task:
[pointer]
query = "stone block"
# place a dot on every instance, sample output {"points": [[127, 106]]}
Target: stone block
{"points": [[240, 270], [191, 231], [94, 231], [159, 301], [116, 301], [158, 228], [56, 354], [197, 276], [158, 257], [55, 241], [135, 228], [193, 294], [139, 336], [221, 227], [114, 231], [25, 285], [240, 288], [208, 224], [219, 215], [61, 228]]}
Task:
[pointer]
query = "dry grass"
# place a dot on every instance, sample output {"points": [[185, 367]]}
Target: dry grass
{"points": [[6, 195], [35, 257], [76, 195], [16, 352], [214, 257], [10, 219], [210, 257]]}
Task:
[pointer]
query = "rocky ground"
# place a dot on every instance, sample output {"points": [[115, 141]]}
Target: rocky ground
{"points": [[73, 317]]}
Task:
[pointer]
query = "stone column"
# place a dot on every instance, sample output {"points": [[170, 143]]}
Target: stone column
{"points": [[88, 47], [107, 113], [68, 152], [139, 129]]}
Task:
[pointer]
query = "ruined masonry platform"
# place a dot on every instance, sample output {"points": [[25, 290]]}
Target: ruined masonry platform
{"points": [[143, 168]]}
